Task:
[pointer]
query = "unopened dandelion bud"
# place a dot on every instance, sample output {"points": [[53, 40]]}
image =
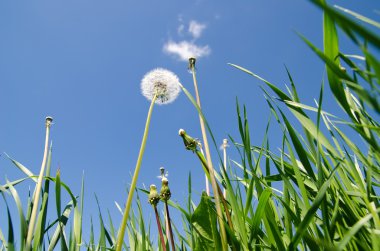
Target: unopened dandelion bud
{"points": [[165, 193], [192, 61], [190, 143], [154, 197], [181, 132], [48, 121]]}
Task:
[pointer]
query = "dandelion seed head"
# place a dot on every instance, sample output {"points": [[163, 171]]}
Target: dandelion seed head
{"points": [[161, 82]]}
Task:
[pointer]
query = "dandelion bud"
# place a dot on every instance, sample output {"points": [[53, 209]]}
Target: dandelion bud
{"points": [[190, 143], [153, 198], [192, 61], [165, 193], [48, 121]]}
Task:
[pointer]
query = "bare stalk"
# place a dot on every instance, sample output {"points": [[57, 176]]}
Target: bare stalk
{"points": [[209, 162], [37, 193], [224, 146], [120, 237]]}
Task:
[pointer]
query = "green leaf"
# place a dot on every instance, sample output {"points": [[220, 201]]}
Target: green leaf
{"points": [[204, 222]]}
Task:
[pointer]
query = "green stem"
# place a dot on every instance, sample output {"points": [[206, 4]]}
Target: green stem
{"points": [[120, 237], [209, 163], [38, 188]]}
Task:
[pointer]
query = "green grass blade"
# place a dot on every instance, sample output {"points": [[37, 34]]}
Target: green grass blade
{"points": [[23, 224], [260, 211], [359, 16], [59, 230], [22, 167], [310, 215], [354, 229], [348, 26]]}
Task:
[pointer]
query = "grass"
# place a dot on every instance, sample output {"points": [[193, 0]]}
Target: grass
{"points": [[319, 192]]}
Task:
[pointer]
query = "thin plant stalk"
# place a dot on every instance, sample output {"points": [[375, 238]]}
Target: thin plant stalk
{"points": [[123, 225], [169, 223], [209, 162], [37, 193], [159, 228], [224, 146], [224, 202], [206, 179]]}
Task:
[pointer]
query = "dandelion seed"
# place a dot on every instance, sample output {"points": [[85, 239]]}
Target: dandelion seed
{"points": [[160, 82]]}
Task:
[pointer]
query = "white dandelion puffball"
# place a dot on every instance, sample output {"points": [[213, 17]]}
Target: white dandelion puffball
{"points": [[160, 82]]}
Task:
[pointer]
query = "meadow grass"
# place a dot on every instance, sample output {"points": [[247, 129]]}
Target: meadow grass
{"points": [[319, 192]]}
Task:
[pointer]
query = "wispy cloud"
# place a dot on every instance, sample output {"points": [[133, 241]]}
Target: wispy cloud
{"points": [[196, 29], [185, 49]]}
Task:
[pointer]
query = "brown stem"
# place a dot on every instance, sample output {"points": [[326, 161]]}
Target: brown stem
{"points": [[171, 236], [160, 229]]}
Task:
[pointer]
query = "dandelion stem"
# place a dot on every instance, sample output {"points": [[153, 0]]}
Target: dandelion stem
{"points": [[206, 179], [171, 237], [38, 186], [123, 225], [225, 162], [159, 229], [209, 162]]}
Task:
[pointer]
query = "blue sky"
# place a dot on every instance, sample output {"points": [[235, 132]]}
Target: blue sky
{"points": [[82, 62]]}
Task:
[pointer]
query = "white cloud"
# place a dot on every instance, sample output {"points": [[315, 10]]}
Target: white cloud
{"points": [[184, 50], [196, 29]]}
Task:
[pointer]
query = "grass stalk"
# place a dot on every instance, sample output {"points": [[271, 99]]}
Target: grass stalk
{"points": [[33, 215], [209, 162], [120, 237]]}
